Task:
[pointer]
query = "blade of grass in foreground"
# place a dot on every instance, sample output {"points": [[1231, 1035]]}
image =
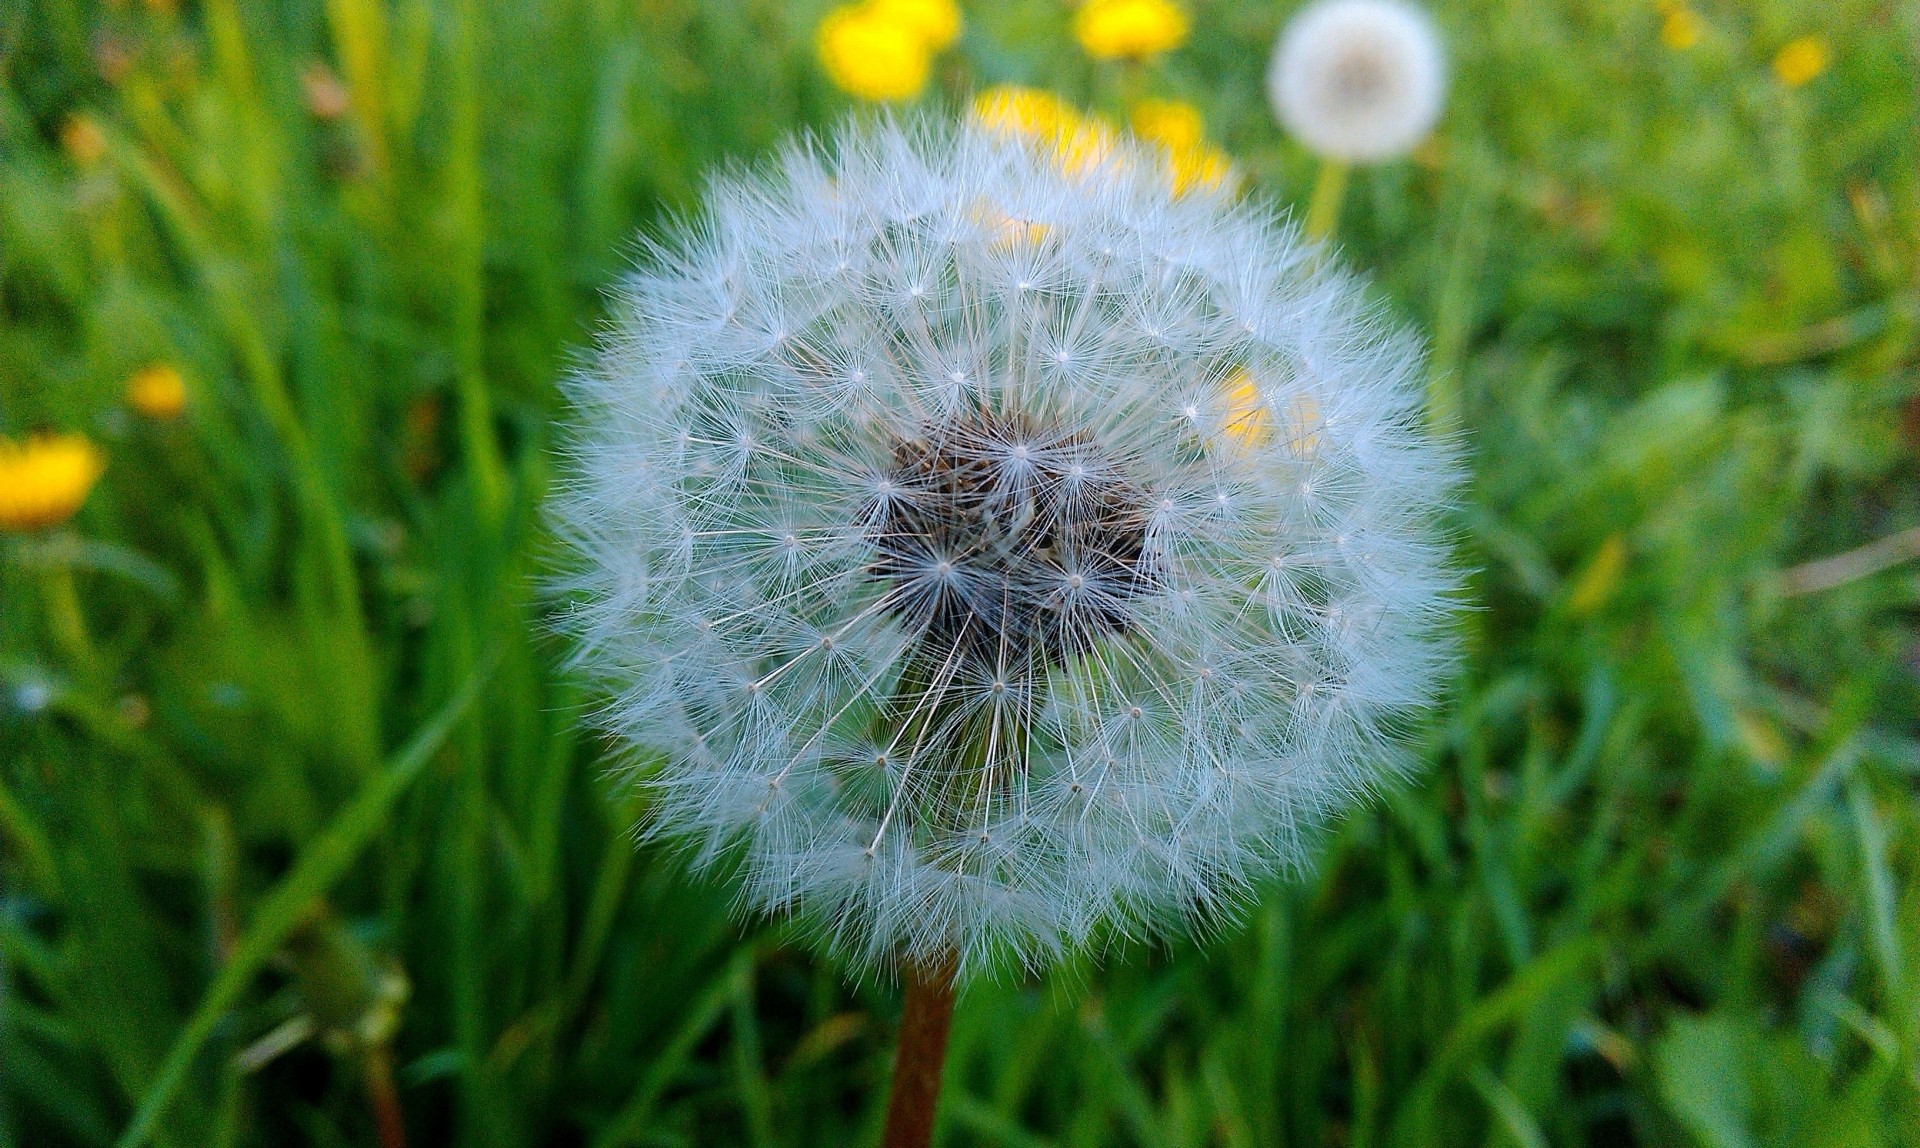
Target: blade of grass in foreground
{"points": [[324, 861]]}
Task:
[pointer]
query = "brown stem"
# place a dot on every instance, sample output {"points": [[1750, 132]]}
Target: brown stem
{"points": [[923, 1053], [384, 1098]]}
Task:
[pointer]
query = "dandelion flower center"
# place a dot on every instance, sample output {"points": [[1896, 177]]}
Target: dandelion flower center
{"points": [[1047, 552]]}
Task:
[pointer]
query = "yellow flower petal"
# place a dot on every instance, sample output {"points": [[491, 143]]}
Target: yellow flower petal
{"points": [[44, 480], [871, 57], [1247, 422], [157, 392], [1031, 113], [1681, 28], [1800, 61], [936, 22], [1108, 29], [1174, 123]]}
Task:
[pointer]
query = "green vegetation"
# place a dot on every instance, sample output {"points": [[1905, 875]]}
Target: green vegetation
{"points": [[298, 820]]}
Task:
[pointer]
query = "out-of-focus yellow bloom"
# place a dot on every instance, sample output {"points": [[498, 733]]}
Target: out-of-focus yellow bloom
{"points": [[1080, 142], [157, 392], [1204, 166], [873, 57], [44, 480], [1087, 145], [1173, 123], [1681, 28], [1031, 113], [1008, 231], [1129, 28], [1179, 128], [83, 140], [937, 21], [1801, 60], [1245, 421], [1248, 423]]}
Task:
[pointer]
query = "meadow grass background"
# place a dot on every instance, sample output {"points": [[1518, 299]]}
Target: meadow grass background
{"points": [[300, 770]]}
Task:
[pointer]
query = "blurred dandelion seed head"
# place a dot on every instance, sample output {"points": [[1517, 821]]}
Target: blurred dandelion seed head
{"points": [[44, 481], [999, 590], [1358, 80]]}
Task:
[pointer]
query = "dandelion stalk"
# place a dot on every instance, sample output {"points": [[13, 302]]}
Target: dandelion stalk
{"points": [[925, 1018], [64, 616], [1329, 192], [389, 1123]]}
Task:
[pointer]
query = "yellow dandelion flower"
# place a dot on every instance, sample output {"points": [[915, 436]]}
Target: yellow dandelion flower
{"points": [[1087, 145], [83, 140], [1681, 29], [1173, 123], [1801, 60], [871, 57], [157, 392], [44, 480], [1247, 423], [1179, 128], [937, 22], [1203, 166], [1007, 231], [1028, 112], [1108, 29]]}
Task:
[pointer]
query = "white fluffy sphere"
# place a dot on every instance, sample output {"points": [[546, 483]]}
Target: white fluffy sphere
{"points": [[1359, 80], [997, 551]]}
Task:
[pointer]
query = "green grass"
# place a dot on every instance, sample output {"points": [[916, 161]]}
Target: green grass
{"points": [[1659, 884]]}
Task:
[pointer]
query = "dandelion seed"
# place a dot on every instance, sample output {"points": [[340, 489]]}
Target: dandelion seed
{"points": [[44, 481], [990, 656], [1358, 80]]}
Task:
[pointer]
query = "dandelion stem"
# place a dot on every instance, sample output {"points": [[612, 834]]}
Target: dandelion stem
{"points": [[63, 614], [389, 1124], [922, 1054], [1329, 192]]}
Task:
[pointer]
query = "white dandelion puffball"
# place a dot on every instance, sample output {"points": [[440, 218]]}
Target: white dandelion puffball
{"points": [[1359, 80], [999, 552]]}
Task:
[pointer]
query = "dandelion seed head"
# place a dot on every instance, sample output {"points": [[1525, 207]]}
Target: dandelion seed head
{"points": [[991, 652], [1359, 80]]}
